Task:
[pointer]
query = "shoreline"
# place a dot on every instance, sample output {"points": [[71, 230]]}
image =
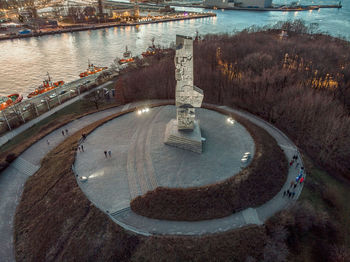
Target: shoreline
{"points": [[105, 25], [274, 8]]}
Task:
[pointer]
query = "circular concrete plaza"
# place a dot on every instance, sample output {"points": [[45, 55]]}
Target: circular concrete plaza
{"points": [[140, 161]]}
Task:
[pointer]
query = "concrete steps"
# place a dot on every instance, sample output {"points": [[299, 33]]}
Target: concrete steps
{"points": [[24, 166], [191, 141]]}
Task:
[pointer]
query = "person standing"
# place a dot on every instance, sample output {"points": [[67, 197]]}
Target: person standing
{"points": [[110, 153], [48, 142], [105, 153], [292, 183]]}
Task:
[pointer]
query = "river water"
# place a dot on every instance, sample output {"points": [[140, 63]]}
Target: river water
{"points": [[25, 62]]}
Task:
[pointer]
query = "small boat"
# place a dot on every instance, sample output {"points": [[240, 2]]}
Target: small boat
{"points": [[151, 50], [47, 85], [6, 101], [91, 70], [127, 57]]}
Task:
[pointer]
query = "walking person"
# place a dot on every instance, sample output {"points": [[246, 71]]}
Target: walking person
{"points": [[105, 153], [62, 133], [48, 142], [82, 148], [66, 131], [79, 148], [296, 165], [292, 183], [301, 180], [110, 153], [284, 193]]}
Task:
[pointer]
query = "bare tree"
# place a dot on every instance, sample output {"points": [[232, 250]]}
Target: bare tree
{"points": [[96, 97]]}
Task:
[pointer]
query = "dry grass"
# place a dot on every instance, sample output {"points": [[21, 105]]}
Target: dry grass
{"points": [[231, 246], [253, 186]]}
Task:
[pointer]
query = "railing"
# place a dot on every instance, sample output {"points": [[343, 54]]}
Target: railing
{"points": [[31, 108]]}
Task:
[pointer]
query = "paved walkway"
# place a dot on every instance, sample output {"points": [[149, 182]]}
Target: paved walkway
{"points": [[140, 162], [13, 178]]}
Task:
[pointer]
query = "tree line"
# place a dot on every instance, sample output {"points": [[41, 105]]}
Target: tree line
{"points": [[301, 84]]}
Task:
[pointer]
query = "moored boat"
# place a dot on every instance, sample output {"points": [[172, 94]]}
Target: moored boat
{"points": [[47, 85], [151, 50], [127, 57], [6, 101], [92, 70]]}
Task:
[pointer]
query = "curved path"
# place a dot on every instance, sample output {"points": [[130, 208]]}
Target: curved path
{"points": [[12, 181]]}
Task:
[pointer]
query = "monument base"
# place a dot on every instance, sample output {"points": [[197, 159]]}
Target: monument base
{"points": [[188, 140]]}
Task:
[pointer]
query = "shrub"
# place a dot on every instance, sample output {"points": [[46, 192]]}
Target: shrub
{"points": [[11, 157]]}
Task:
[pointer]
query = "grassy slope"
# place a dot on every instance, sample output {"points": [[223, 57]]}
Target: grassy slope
{"points": [[328, 195]]}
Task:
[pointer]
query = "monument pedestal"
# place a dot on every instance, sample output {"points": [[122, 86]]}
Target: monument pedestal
{"points": [[188, 140]]}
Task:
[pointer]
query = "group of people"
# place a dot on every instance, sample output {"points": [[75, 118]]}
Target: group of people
{"points": [[65, 132], [290, 192], [81, 146], [108, 153], [294, 159]]}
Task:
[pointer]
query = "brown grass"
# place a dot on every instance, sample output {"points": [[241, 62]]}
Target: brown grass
{"points": [[235, 245], [253, 186]]}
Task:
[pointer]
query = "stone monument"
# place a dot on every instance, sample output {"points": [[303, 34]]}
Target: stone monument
{"points": [[184, 131]]}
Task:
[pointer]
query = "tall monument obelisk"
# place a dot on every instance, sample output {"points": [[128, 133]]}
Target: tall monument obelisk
{"points": [[184, 131]]}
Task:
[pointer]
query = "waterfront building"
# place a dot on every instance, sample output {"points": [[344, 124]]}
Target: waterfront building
{"points": [[238, 3]]}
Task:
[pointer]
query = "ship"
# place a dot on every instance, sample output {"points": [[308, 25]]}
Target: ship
{"points": [[92, 70], [151, 50], [6, 101], [127, 57], [47, 85]]}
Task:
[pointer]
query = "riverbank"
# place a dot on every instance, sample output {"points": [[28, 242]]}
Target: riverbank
{"points": [[75, 28]]}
